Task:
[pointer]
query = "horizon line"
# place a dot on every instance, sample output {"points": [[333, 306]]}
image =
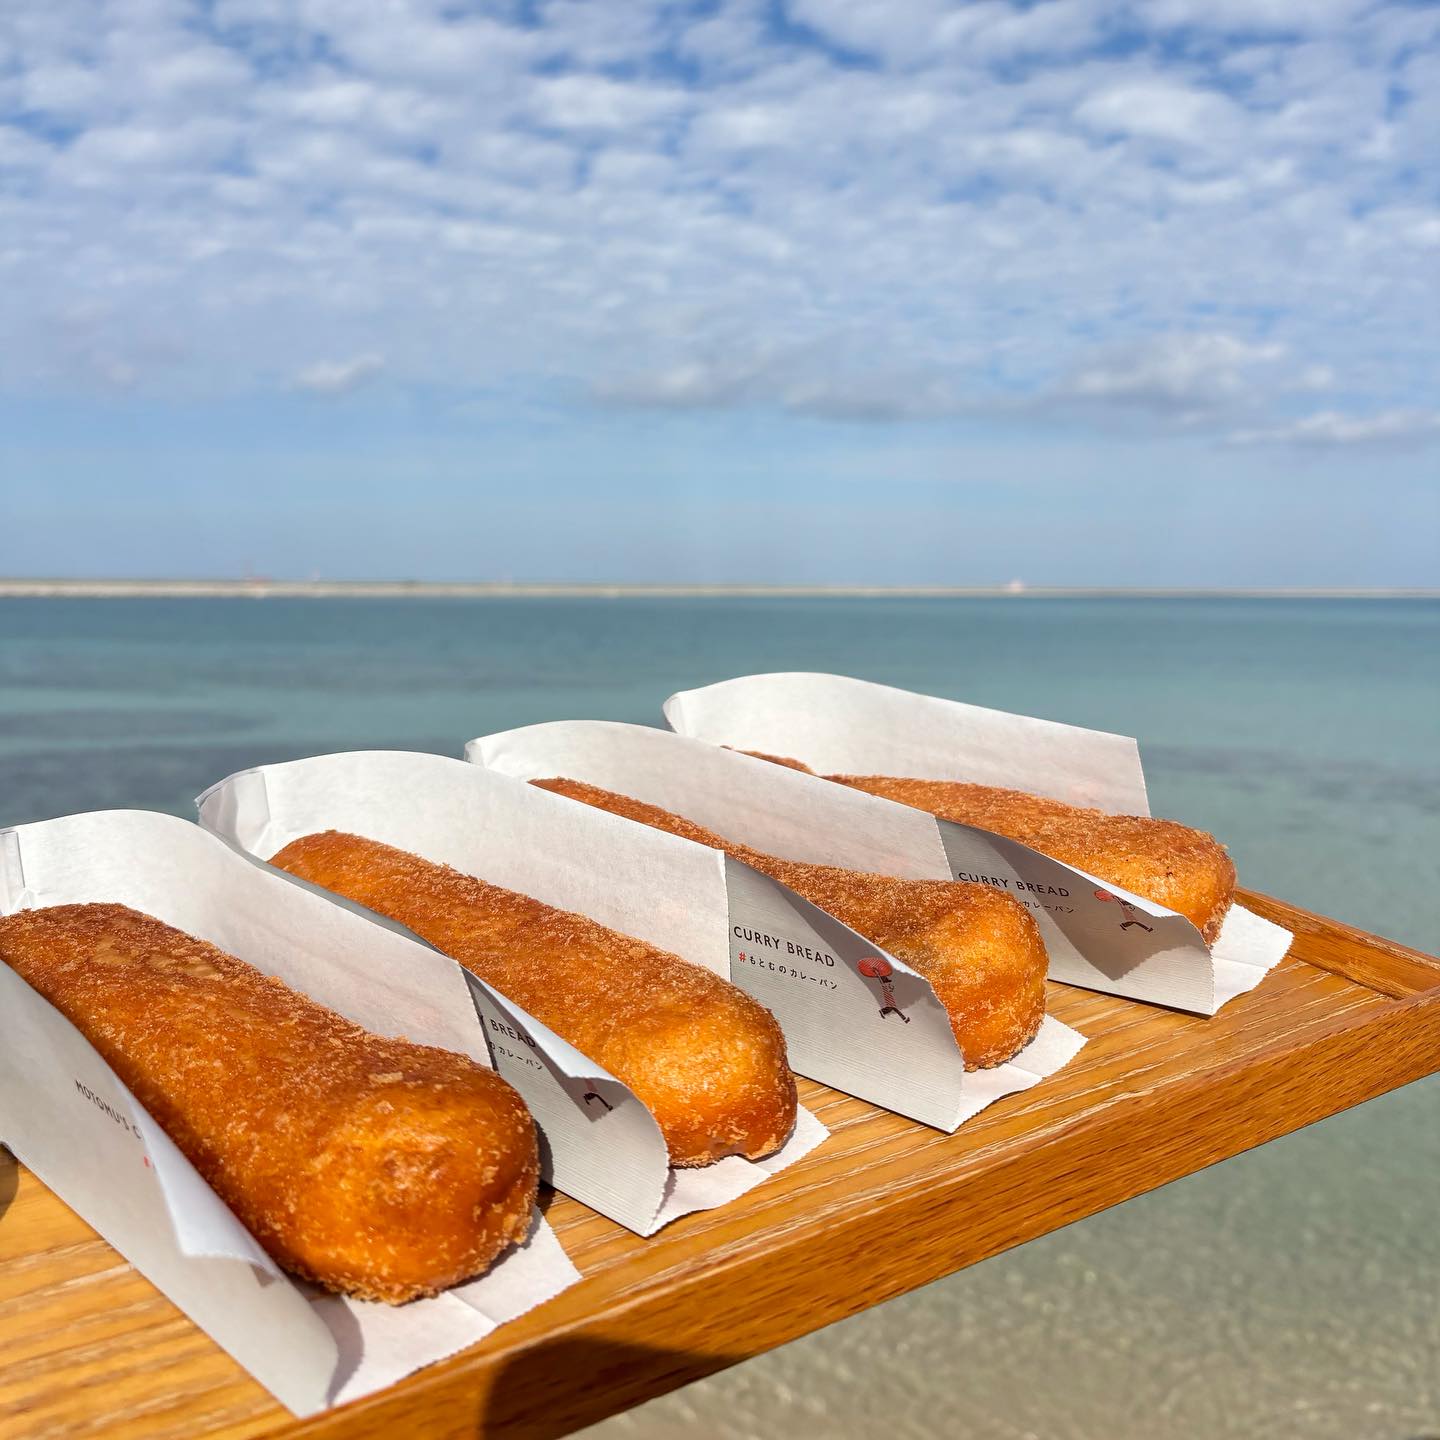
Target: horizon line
{"points": [[70, 588]]}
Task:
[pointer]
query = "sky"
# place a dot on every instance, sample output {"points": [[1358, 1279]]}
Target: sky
{"points": [[822, 291]]}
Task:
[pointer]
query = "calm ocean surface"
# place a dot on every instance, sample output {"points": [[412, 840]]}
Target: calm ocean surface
{"points": [[1294, 1291]]}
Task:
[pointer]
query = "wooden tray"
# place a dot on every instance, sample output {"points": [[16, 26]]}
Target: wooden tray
{"points": [[88, 1347]]}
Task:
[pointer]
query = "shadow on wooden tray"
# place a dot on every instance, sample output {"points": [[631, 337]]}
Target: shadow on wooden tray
{"points": [[568, 1383]]}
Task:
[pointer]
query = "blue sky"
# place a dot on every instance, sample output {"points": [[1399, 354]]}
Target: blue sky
{"points": [[907, 292]]}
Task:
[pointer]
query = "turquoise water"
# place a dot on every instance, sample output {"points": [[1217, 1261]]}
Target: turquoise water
{"points": [[1292, 1291]]}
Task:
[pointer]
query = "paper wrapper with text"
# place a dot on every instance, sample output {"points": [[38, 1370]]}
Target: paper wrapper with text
{"points": [[599, 1142], [1099, 935], [842, 1025], [64, 1113]]}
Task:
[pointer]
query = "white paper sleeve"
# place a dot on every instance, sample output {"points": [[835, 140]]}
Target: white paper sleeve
{"points": [[854, 1017], [65, 1114], [599, 1143], [1099, 935]]}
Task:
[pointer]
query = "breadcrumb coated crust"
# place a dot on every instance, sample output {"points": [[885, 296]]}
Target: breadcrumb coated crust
{"points": [[370, 1166], [977, 946], [706, 1059]]}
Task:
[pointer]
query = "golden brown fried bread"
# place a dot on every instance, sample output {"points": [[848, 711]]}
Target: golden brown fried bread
{"points": [[707, 1060], [978, 947], [374, 1167], [1182, 869], [785, 760]]}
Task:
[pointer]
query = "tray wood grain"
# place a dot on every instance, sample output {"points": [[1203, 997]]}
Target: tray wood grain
{"points": [[90, 1348]]}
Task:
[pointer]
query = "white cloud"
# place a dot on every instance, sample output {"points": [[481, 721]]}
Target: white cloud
{"points": [[61, 89], [583, 102], [339, 377], [1294, 17], [1181, 373], [1053, 27], [1315, 378], [690, 385], [834, 382], [1330, 428], [195, 72], [597, 35], [103, 153], [1159, 110], [1412, 224], [995, 210], [895, 29], [411, 41]]}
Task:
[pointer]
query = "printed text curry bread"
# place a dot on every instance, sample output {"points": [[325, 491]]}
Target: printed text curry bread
{"points": [[706, 1059], [374, 1167], [979, 948]]}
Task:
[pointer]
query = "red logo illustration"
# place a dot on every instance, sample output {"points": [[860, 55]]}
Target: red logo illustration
{"points": [[1132, 915], [876, 967]]}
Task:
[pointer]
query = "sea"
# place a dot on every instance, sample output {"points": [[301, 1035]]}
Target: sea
{"points": [[1291, 1291]]}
